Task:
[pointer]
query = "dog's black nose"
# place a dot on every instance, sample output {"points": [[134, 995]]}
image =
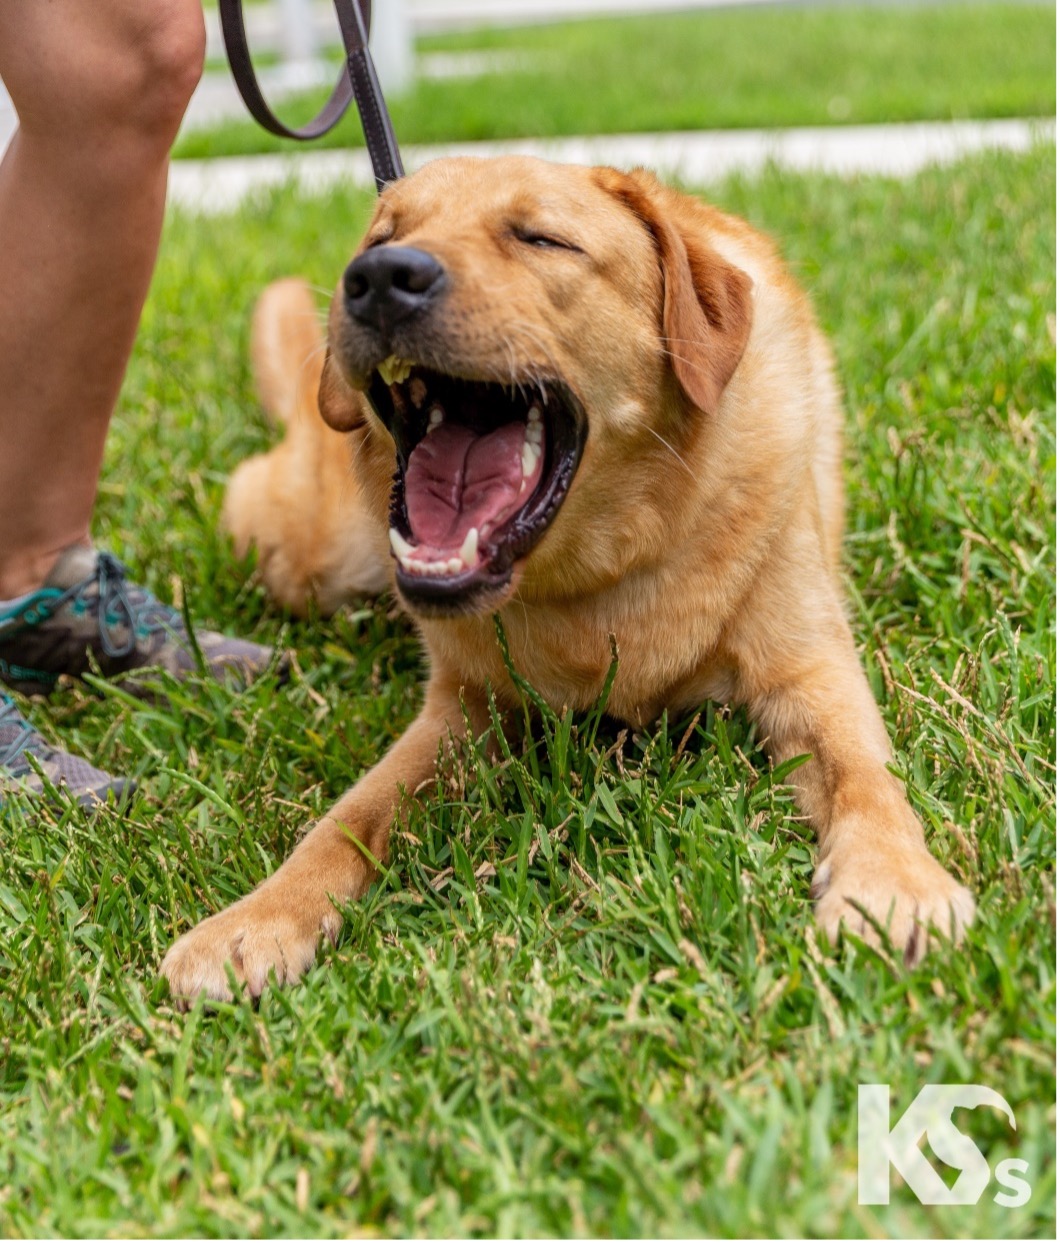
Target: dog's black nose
{"points": [[390, 283]]}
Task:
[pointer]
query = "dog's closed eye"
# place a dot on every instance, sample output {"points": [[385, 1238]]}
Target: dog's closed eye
{"points": [[545, 241]]}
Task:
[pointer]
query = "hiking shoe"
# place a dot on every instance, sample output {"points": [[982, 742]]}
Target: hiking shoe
{"points": [[20, 744], [87, 608]]}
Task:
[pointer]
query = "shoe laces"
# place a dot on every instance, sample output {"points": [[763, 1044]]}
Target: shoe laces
{"points": [[122, 605], [16, 734]]}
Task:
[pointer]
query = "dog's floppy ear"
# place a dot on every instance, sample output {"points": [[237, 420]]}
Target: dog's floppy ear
{"points": [[341, 407], [706, 301]]}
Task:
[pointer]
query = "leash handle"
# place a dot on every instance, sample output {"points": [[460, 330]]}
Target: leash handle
{"points": [[358, 81]]}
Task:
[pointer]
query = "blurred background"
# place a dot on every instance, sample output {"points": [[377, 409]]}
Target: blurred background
{"points": [[467, 70]]}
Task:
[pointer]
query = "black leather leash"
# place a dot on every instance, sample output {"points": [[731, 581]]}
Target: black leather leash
{"points": [[358, 81]]}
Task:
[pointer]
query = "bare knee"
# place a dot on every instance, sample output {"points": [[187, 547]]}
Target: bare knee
{"points": [[169, 58], [118, 70]]}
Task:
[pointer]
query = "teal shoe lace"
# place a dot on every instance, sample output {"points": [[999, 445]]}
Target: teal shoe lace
{"points": [[124, 606]]}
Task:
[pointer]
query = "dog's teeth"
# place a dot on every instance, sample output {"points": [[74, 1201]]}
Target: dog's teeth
{"points": [[436, 418], [531, 457], [414, 565], [403, 550], [418, 392], [535, 427], [469, 548]]}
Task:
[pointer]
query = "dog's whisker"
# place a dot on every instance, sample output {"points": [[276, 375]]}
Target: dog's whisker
{"points": [[527, 331], [692, 366], [663, 441], [313, 355], [355, 456]]}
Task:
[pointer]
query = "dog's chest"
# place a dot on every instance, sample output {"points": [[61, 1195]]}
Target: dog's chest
{"points": [[566, 656]]}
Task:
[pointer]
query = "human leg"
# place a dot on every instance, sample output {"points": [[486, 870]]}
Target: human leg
{"points": [[100, 91]]}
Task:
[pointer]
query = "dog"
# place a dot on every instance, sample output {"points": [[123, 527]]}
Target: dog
{"points": [[594, 406]]}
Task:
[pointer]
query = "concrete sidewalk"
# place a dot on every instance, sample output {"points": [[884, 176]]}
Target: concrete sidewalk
{"points": [[696, 158]]}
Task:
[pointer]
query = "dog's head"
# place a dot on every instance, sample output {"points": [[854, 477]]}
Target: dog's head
{"points": [[528, 334]]}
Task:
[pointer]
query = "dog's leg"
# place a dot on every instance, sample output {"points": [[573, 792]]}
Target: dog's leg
{"points": [[814, 698], [278, 927]]}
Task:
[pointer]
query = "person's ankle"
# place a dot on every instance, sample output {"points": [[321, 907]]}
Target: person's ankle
{"points": [[24, 572]]}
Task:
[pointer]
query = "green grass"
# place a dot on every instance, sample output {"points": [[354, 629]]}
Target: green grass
{"points": [[588, 997], [735, 68]]}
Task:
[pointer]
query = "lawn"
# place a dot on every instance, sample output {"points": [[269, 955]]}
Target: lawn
{"points": [[588, 997], [714, 69]]}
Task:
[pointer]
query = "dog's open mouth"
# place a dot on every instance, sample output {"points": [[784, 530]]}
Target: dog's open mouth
{"points": [[482, 470]]}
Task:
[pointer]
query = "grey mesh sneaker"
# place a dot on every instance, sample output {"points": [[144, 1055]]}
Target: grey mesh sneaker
{"points": [[88, 606], [24, 756]]}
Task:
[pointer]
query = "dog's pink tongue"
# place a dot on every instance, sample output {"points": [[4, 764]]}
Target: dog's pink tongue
{"points": [[456, 480]]}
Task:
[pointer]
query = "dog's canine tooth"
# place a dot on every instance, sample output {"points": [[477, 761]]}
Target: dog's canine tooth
{"points": [[469, 548], [436, 418], [403, 550]]}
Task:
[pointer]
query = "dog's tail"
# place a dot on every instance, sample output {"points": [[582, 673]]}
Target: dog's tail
{"points": [[287, 349]]}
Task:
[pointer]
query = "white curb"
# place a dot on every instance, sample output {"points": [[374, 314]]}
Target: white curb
{"points": [[697, 158]]}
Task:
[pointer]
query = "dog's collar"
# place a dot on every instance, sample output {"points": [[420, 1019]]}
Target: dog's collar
{"points": [[358, 81]]}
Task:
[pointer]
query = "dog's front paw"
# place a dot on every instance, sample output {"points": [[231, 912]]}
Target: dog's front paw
{"points": [[902, 890], [250, 939]]}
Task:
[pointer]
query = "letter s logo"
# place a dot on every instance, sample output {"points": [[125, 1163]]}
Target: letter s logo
{"points": [[1020, 1188]]}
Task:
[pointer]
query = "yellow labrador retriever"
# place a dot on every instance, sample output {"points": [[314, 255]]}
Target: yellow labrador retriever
{"points": [[597, 407]]}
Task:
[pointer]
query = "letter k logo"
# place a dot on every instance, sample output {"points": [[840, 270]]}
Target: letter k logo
{"points": [[930, 1114]]}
